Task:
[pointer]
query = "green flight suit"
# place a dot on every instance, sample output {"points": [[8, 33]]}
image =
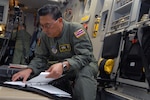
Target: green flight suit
{"points": [[22, 40], [73, 45]]}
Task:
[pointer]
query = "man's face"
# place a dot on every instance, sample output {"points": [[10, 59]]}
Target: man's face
{"points": [[51, 27]]}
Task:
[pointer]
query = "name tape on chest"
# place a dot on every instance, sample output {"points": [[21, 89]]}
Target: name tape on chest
{"points": [[64, 48], [79, 33]]}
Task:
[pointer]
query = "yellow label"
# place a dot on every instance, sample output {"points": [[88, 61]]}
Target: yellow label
{"points": [[85, 18]]}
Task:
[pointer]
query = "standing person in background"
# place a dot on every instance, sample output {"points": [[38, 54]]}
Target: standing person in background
{"points": [[22, 45], [68, 46]]}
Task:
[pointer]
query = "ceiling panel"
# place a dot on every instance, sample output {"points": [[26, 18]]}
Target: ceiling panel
{"points": [[31, 5], [36, 3]]}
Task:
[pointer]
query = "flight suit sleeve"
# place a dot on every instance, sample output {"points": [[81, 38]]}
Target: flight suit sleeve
{"points": [[39, 62], [83, 50]]}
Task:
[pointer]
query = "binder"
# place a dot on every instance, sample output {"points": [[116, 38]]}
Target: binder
{"points": [[40, 84]]}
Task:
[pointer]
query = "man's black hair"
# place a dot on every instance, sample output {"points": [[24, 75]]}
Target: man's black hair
{"points": [[52, 10]]}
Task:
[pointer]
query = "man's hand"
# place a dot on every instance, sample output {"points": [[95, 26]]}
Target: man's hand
{"points": [[24, 74], [55, 70]]}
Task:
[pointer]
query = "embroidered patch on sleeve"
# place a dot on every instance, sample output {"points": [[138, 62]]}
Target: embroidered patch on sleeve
{"points": [[39, 42], [79, 33]]}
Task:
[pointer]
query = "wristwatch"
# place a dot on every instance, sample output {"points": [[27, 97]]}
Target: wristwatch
{"points": [[64, 66]]}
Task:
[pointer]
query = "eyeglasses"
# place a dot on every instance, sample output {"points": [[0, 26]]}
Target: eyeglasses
{"points": [[48, 25]]}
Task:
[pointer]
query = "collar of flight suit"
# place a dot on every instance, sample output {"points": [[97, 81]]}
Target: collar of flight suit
{"points": [[64, 29]]}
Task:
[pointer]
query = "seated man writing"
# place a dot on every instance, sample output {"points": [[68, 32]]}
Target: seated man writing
{"points": [[69, 45]]}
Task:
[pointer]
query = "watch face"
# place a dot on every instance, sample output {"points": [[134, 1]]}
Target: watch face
{"points": [[64, 67]]}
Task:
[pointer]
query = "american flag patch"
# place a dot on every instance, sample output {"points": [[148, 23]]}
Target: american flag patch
{"points": [[79, 33]]}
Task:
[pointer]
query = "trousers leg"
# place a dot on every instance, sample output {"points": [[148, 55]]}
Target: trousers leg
{"points": [[85, 84]]}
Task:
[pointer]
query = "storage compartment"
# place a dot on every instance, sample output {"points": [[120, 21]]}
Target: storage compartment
{"points": [[121, 14], [144, 11]]}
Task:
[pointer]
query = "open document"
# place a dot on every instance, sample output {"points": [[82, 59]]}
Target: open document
{"points": [[40, 82]]}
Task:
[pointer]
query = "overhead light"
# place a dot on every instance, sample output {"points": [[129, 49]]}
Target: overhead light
{"points": [[25, 7], [1, 29], [54, 0]]}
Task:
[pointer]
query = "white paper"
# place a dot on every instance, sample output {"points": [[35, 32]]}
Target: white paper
{"points": [[41, 78], [19, 83], [52, 90]]}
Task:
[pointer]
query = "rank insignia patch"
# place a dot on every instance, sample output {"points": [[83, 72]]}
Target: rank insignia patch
{"points": [[64, 47], [79, 33]]}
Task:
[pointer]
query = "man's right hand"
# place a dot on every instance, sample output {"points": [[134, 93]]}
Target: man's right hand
{"points": [[24, 74]]}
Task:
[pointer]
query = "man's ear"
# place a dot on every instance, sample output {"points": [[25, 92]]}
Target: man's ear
{"points": [[60, 20]]}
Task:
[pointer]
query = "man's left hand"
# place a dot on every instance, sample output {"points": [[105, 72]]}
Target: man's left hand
{"points": [[56, 70]]}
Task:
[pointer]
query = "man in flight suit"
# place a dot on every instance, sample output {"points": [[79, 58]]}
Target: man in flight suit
{"points": [[67, 44]]}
